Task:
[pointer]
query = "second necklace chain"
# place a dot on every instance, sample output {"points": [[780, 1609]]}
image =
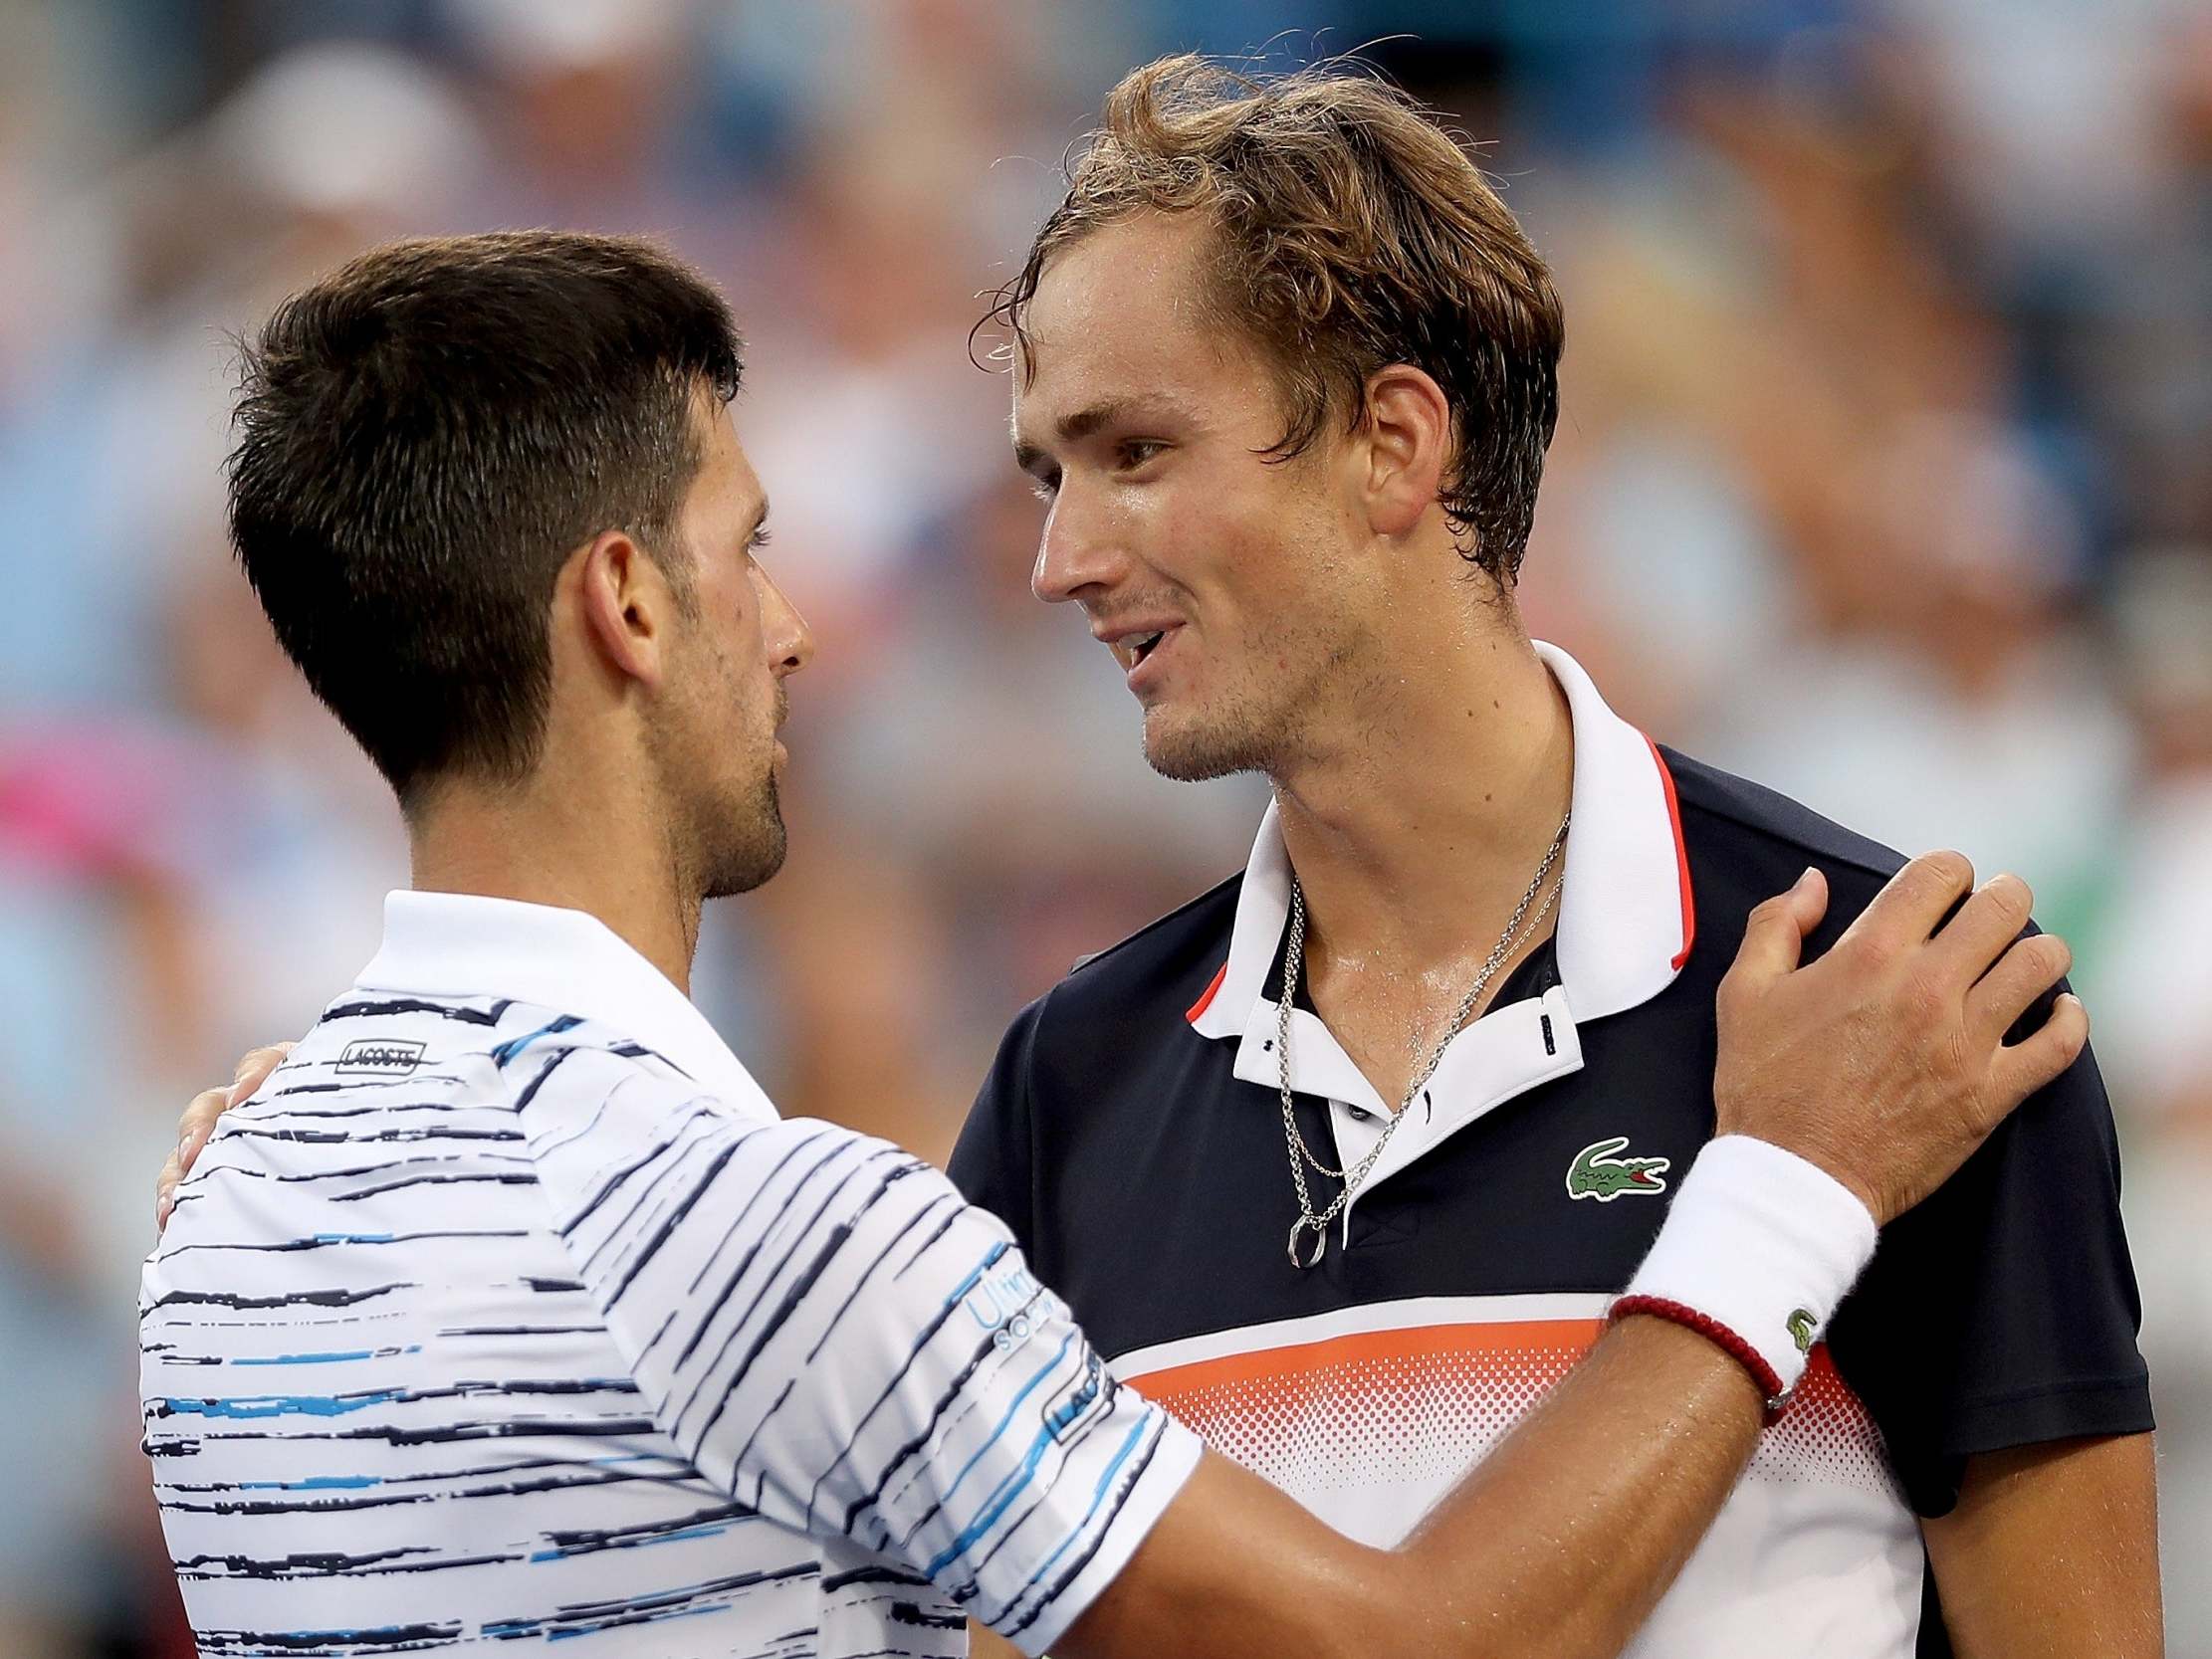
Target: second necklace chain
{"points": [[1302, 1154]]}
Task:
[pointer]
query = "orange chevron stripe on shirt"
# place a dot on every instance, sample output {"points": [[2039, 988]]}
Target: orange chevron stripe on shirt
{"points": [[1431, 1400]]}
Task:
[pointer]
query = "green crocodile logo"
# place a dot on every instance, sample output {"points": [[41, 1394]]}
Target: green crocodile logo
{"points": [[1599, 1172], [1801, 1326]]}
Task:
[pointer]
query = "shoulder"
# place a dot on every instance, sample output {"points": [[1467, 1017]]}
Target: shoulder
{"points": [[1112, 1016], [693, 1181], [1165, 965], [1129, 1007], [498, 1045], [606, 1116], [1745, 842], [1734, 813]]}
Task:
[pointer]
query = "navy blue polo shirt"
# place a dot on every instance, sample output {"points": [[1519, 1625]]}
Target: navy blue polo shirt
{"points": [[1131, 1134]]}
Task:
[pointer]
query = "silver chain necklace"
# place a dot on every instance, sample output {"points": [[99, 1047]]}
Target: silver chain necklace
{"points": [[1293, 960]]}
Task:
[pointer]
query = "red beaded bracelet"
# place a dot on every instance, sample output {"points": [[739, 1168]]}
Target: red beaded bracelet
{"points": [[1771, 1386]]}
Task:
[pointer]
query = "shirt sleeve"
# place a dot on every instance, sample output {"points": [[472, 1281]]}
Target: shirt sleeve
{"points": [[992, 1161], [836, 1338], [2003, 1311]]}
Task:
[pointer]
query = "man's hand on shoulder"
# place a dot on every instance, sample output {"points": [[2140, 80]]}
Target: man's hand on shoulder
{"points": [[1884, 1062], [198, 1123]]}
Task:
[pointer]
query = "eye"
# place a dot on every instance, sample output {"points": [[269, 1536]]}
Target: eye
{"points": [[1132, 452], [760, 538], [1045, 486]]}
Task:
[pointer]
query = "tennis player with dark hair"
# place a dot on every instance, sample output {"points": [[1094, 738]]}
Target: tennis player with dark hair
{"points": [[508, 1311], [1345, 1160]]}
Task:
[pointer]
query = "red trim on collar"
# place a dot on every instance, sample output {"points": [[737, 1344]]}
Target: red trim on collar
{"points": [[1681, 854], [1205, 998]]}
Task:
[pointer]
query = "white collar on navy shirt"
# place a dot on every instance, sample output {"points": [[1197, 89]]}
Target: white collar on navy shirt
{"points": [[463, 945], [1625, 919]]}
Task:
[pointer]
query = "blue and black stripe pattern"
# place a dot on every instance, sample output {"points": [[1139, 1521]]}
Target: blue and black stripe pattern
{"points": [[482, 1323]]}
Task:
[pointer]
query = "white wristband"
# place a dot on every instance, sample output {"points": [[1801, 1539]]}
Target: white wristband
{"points": [[1761, 1244]]}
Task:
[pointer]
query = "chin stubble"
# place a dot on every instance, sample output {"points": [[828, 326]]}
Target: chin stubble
{"points": [[1201, 756]]}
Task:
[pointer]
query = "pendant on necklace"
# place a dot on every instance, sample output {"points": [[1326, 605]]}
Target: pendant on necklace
{"points": [[1320, 1241]]}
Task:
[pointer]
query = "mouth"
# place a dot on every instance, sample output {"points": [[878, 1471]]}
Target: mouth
{"points": [[1134, 650]]}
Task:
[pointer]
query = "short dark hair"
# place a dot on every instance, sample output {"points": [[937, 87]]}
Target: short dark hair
{"points": [[1351, 233], [425, 435]]}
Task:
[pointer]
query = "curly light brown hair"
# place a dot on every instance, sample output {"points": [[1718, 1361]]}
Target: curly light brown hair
{"points": [[1352, 233]]}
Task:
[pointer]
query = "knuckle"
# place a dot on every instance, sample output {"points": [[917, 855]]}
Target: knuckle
{"points": [[1733, 999], [2059, 952], [1867, 951], [1924, 996], [1942, 874], [1964, 1058], [2045, 956], [2064, 1035], [1951, 867], [2012, 895]]}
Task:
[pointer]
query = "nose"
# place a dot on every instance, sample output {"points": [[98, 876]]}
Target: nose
{"points": [[1077, 552], [790, 643]]}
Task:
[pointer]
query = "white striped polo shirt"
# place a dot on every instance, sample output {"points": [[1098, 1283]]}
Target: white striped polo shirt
{"points": [[508, 1311]]}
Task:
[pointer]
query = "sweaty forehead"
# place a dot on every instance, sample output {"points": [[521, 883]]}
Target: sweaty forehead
{"points": [[1121, 316], [1129, 294]]}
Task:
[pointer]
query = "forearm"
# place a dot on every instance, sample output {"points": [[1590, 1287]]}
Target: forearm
{"points": [[1612, 1484], [1563, 1539], [1555, 1547]]}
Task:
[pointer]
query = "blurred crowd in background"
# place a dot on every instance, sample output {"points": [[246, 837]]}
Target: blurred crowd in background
{"points": [[1885, 476]]}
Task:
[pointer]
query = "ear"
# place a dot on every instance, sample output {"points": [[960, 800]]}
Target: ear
{"points": [[1407, 444], [626, 607]]}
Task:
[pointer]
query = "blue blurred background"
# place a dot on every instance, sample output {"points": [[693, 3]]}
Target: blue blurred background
{"points": [[1885, 475]]}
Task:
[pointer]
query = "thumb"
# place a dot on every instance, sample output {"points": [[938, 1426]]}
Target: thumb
{"points": [[1774, 937]]}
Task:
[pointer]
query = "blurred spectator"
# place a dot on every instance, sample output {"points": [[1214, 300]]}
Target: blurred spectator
{"points": [[2151, 976], [1882, 475]]}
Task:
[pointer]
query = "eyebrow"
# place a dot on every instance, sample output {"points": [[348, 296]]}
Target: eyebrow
{"points": [[1092, 418]]}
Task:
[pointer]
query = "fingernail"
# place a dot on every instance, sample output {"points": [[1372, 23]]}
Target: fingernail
{"points": [[1805, 880]]}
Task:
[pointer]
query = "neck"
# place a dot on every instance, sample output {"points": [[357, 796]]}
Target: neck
{"points": [[572, 846], [1415, 836]]}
